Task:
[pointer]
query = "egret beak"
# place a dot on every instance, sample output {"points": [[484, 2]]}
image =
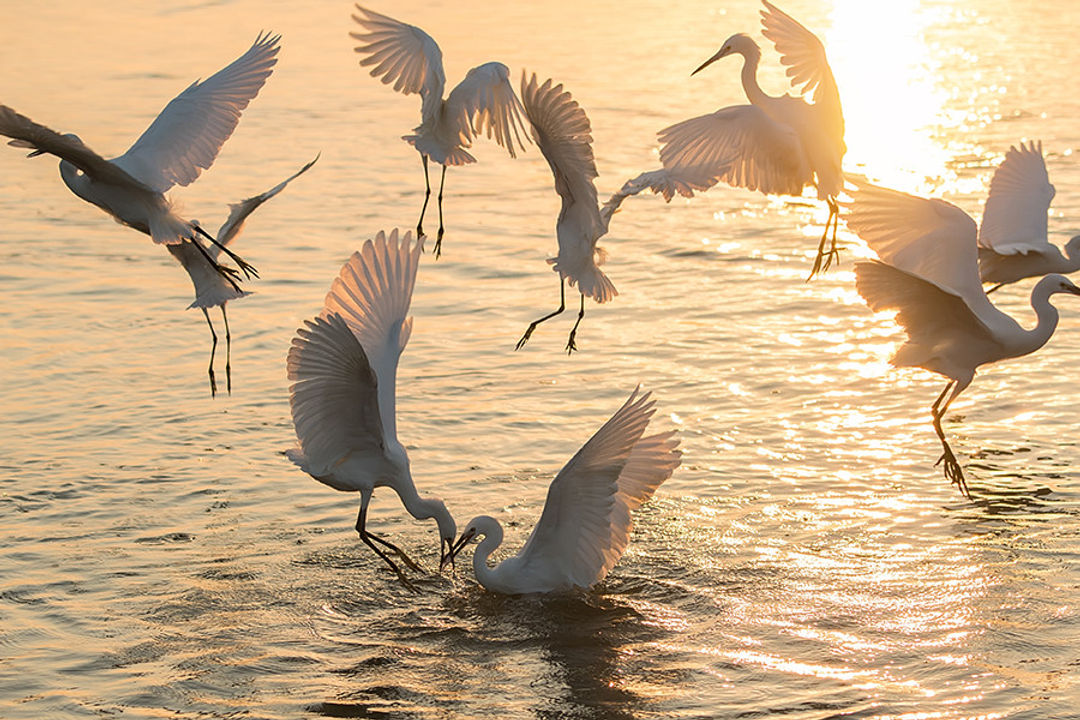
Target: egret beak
{"points": [[446, 554], [35, 153], [457, 547], [724, 52]]}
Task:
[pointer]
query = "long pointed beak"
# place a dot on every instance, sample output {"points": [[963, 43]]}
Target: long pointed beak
{"points": [[35, 153], [710, 61], [446, 554], [456, 548]]}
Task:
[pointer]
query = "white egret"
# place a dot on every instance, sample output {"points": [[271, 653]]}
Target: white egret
{"points": [[562, 131], [586, 522], [484, 101], [343, 366], [1013, 242], [211, 288], [182, 141], [777, 145], [929, 274]]}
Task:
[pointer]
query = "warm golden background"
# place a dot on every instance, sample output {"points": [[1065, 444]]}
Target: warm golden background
{"points": [[161, 558]]}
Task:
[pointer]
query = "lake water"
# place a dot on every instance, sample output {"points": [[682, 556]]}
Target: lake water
{"points": [[161, 558]]}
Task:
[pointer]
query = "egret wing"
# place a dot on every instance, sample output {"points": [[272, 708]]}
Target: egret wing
{"points": [[562, 131], [403, 55], [804, 56], [333, 397], [661, 181], [574, 539], [27, 133], [186, 136], [238, 212], [740, 145], [372, 293], [1014, 219], [485, 103]]}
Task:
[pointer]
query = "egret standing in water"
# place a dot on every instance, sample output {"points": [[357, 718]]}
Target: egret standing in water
{"points": [[777, 145], [182, 141], [929, 273], [343, 366], [586, 522], [484, 101], [211, 288], [561, 130], [1013, 242]]}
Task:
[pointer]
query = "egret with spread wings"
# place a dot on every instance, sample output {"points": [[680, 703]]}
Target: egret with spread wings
{"points": [[343, 366], [484, 102], [211, 288], [777, 145], [180, 143], [929, 274], [1013, 237], [586, 522]]}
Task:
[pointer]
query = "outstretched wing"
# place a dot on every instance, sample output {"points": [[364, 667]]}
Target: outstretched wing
{"points": [[583, 529], [186, 136], [661, 181], [1014, 219], [740, 145], [485, 103], [562, 131], [372, 293], [238, 212], [403, 55], [29, 134], [804, 55], [333, 397]]}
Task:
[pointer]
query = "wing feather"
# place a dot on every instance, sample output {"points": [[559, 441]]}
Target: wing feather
{"points": [[238, 212], [740, 145], [1015, 216], [186, 136], [403, 55], [372, 293], [334, 395], [804, 56], [485, 103]]}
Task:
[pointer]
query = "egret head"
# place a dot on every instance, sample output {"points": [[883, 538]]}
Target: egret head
{"points": [[447, 533], [477, 527], [1053, 284], [740, 43]]}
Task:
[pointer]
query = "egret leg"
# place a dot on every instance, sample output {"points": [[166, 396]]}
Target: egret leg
{"points": [[249, 270], [213, 349], [532, 326], [948, 460], [825, 259], [228, 349], [366, 538], [570, 346], [427, 196], [996, 287], [228, 273], [438, 238]]}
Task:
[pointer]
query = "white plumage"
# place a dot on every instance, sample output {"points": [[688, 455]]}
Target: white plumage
{"points": [[586, 522], [483, 103], [929, 274], [343, 366]]}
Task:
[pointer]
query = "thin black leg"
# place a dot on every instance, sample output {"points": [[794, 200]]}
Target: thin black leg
{"points": [[532, 326], [951, 467], [228, 350], [438, 238], [996, 287], [570, 346], [427, 196], [213, 349], [249, 270], [366, 538], [228, 273], [825, 259]]}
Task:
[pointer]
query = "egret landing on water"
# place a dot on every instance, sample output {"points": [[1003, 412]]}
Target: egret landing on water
{"points": [[484, 101], [586, 522], [562, 131], [182, 141], [929, 274], [343, 366], [211, 288], [1013, 242], [777, 145]]}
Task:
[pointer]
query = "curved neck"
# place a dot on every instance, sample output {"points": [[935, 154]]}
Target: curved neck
{"points": [[1046, 314], [75, 180], [419, 507], [751, 58], [493, 537]]}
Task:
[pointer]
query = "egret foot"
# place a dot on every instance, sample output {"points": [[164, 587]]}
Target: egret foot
{"points": [[438, 243], [953, 471]]}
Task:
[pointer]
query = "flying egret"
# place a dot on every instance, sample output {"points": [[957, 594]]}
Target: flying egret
{"points": [[408, 57], [777, 145], [180, 143], [211, 288], [929, 273], [562, 131], [586, 522], [1013, 242], [343, 366]]}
